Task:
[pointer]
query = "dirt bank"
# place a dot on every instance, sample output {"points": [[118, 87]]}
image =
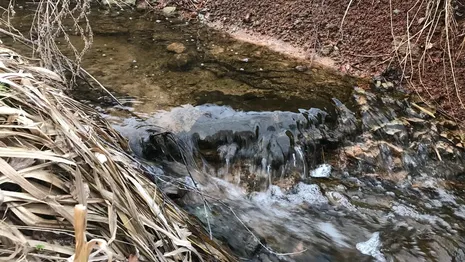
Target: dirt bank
{"points": [[366, 46]]}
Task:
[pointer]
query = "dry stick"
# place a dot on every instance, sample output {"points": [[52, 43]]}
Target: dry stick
{"points": [[344, 17], [445, 74], [82, 69], [101, 86], [80, 225]]}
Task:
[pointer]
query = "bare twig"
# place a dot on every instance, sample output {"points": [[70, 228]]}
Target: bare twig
{"points": [[344, 17]]}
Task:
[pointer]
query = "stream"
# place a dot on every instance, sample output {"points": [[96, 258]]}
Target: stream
{"points": [[279, 159]]}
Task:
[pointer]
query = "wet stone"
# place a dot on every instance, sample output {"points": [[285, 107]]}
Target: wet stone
{"points": [[180, 62], [177, 48], [301, 68], [169, 10], [459, 255], [241, 241]]}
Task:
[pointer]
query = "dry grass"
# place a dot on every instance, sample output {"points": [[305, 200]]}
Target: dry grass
{"points": [[56, 153], [431, 16], [438, 14], [54, 19]]}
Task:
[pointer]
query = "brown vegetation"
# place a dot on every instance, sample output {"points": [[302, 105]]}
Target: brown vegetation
{"points": [[56, 153]]}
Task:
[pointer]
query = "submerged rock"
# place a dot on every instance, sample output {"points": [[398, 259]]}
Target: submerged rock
{"points": [[180, 62], [177, 48]]}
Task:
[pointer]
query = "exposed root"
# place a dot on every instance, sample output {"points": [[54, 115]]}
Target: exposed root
{"points": [[434, 16]]}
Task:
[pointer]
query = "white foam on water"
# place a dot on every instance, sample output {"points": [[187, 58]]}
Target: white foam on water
{"points": [[321, 171], [460, 212], [301, 155], [305, 193], [405, 211], [267, 198], [190, 183], [301, 193], [446, 197], [329, 230], [371, 247]]}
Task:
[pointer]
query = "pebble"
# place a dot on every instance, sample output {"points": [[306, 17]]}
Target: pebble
{"points": [[169, 10], [177, 48], [390, 193], [301, 68]]}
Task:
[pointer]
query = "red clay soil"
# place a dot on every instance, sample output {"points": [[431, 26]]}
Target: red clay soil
{"points": [[365, 47]]}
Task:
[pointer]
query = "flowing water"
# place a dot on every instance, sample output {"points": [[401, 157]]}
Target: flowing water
{"points": [[280, 160]]}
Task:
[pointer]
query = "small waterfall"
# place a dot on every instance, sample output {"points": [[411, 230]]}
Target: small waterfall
{"points": [[259, 147], [301, 158]]}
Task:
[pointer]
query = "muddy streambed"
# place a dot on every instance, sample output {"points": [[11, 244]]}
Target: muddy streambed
{"points": [[280, 160]]}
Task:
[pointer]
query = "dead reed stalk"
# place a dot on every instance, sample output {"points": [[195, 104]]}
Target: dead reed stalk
{"points": [[56, 153]]}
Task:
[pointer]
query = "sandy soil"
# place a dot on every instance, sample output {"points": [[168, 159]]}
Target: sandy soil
{"points": [[364, 47]]}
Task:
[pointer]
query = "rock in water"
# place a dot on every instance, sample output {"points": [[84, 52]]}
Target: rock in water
{"points": [[177, 48], [180, 62], [301, 68]]}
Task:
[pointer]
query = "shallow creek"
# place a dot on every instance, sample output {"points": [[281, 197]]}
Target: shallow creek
{"points": [[293, 162]]}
